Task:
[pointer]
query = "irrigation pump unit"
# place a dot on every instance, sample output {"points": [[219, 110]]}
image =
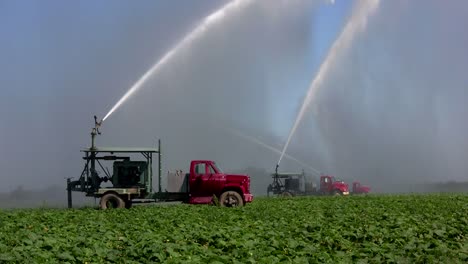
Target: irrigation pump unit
{"points": [[130, 179], [299, 184]]}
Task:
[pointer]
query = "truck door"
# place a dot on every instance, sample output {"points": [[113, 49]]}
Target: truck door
{"points": [[325, 184], [204, 181], [355, 187], [217, 180]]}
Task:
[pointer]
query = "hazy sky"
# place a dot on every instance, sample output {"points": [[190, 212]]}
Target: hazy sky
{"points": [[63, 62], [393, 107]]}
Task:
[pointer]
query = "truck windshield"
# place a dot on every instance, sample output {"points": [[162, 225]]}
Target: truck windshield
{"points": [[217, 168], [336, 180]]}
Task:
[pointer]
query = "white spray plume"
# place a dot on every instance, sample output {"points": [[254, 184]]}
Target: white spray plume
{"points": [[260, 143], [185, 42], [357, 23]]}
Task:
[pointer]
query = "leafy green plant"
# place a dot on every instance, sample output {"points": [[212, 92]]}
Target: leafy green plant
{"points": [[367, 229]]}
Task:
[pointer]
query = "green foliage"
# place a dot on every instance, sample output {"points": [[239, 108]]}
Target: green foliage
{"points": [[358, 229], [215, 200]]}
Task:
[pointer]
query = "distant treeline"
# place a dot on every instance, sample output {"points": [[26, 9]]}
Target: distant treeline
{"points": [[56, 196], [450, 186], [52, 196]]}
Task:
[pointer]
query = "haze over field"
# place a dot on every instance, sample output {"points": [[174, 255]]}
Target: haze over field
{"points": [[391, 112]]}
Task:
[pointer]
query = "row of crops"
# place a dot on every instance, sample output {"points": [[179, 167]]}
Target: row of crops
{"points": [[367, 229]]}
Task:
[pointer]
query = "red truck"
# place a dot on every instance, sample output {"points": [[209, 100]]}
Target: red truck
{"points": [[358, 188], [296, 184], [331, 185], [132, 180], [206, 180]]}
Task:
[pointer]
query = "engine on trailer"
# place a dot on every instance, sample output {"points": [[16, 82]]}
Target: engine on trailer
{"points": [[129, 174]]}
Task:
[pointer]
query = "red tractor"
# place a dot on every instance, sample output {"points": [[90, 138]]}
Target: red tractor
{"points": [[358, 188]]}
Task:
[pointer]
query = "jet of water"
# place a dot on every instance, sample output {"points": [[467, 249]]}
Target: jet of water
{"points": [[258, 142], [357, 22], [209, 21]]}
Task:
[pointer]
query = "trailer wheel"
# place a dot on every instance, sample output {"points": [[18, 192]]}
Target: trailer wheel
{"points": [[231, 199], [111, 200]]}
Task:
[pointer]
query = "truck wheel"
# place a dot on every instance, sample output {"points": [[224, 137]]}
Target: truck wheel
{"points": [[111, 200], [286, 194], [336, 193], [231, 199]]}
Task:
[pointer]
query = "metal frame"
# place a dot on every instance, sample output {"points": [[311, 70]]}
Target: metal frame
{"points": [[278, 187], [90, 181]]}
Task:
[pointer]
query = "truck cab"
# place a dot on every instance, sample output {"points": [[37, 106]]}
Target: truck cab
{"points": [[331, 185], [207, 179], [358, 188]]}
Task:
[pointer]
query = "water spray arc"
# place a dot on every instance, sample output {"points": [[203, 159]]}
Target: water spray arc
{"points": [[185, 42], [357, 22], [260, 143]]}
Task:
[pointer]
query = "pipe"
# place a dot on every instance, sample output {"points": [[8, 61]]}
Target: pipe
{"points": [[160, 169], [69, 193]]}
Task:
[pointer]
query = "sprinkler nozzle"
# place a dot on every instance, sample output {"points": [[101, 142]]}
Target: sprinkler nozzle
{"points": [[97, 125], [95, 131]]}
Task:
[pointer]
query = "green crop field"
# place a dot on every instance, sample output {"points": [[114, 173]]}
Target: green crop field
{"points": [[372, 229]]}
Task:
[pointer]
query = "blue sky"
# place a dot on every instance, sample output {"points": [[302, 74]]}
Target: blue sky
{"points": [[326, 22]]}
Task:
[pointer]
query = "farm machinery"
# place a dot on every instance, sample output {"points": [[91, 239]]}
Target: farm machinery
{"points": [[300, 184], [358, 188], [131, 181]]}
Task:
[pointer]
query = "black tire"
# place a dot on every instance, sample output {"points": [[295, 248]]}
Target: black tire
{"points": [[128, 204], [111, 200], [337, 193], [231, 199], [286, 194]]}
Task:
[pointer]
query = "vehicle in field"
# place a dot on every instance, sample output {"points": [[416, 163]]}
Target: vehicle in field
{"points": [[298, 184], [132, 180], [358, 188]]}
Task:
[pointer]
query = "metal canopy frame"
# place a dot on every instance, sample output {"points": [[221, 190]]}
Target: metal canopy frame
{"points": [[278, 185], [147, 153], [89, 181], [284, 175]]}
